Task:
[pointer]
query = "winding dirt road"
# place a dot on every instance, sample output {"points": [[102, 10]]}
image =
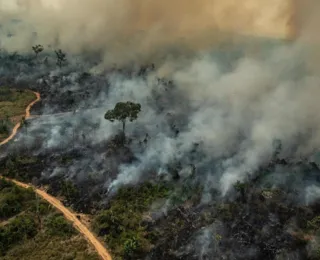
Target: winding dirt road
{"points": [[17, 126], [70, 216], [101, 250]]}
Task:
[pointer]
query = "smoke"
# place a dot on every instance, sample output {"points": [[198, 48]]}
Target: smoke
{"points": [[205, 243], [233, 113], [232, 101], [225, 102], [312, 194], [125, 31]]}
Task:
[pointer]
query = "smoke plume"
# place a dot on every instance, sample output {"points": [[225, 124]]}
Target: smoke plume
{"points": [[233, 102], [129, 31]]}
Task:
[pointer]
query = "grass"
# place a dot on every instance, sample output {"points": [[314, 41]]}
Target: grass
{"points": [[32, 229], [54, 248], [20, 167], [12, 108], [121, 224], [14, 102]]}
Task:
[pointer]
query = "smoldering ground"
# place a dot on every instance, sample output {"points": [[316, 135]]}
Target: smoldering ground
{"points": [[232, 113]]}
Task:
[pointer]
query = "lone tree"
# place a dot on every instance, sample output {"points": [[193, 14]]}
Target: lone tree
{"points": [[61, 58], [37, 49], [277, 146], [123, 111]]}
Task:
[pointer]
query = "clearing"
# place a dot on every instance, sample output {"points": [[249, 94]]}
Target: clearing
{"points": [[12, 108]]}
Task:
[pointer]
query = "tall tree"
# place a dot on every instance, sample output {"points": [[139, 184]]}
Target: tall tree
{"points": [[122, 112], [61, 58], [37, 49]]}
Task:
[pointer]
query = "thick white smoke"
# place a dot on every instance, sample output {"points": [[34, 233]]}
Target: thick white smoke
{"points": [[235, 111], [124, 30]]}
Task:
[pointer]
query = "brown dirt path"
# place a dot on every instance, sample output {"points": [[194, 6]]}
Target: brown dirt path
{"points": [[17, 126], [101, 250], [70, 216]]}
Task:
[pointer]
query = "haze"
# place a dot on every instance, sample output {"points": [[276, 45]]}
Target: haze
{"points": [[146, 26]]}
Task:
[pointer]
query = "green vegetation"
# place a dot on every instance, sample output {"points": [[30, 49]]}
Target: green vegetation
{"points": [[241, 189], [56, 225], [312, 229], [121, 224], [5, 126], [65, 159], [5, 94], [123, 111], [13, 199], [314, 224], [185, 192], [31, 229], [21, 167], [43, 247], [21, 227], [37, 49], [69, 190], [12, 104]]}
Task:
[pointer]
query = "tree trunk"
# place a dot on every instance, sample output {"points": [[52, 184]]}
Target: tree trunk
{"points": [[123, 126], [73, 138]]}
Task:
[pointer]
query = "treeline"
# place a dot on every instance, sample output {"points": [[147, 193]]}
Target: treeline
{"points": [[5, 94], [5, 126]]}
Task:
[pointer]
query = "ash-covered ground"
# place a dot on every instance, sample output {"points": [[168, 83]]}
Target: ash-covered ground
{"points": [[233, 137]]}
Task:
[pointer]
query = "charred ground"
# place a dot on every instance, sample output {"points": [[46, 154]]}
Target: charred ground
{"points": [[166, 213]]}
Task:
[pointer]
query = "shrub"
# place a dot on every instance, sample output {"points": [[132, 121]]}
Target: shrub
{"points": [[4, 126], [130, 246], [314, 224], [20, 228], [57, 225], [12, 199], [120, 224]]}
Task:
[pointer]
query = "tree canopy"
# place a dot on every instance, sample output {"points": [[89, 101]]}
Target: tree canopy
{"points": [[61, 57], [123, 111], [37, 49]]}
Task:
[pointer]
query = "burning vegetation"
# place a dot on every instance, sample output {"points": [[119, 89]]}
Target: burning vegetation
{"points": [[219, 160], [156, 192]]}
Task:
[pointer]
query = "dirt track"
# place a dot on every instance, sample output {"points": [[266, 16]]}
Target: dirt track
{"points": [[101, 250], [70, 216], [17, 126]]}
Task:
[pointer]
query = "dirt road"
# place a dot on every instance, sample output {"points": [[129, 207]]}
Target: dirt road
{"points": [[101, 250], [70, 216], [31, 104], [17, 126]]}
